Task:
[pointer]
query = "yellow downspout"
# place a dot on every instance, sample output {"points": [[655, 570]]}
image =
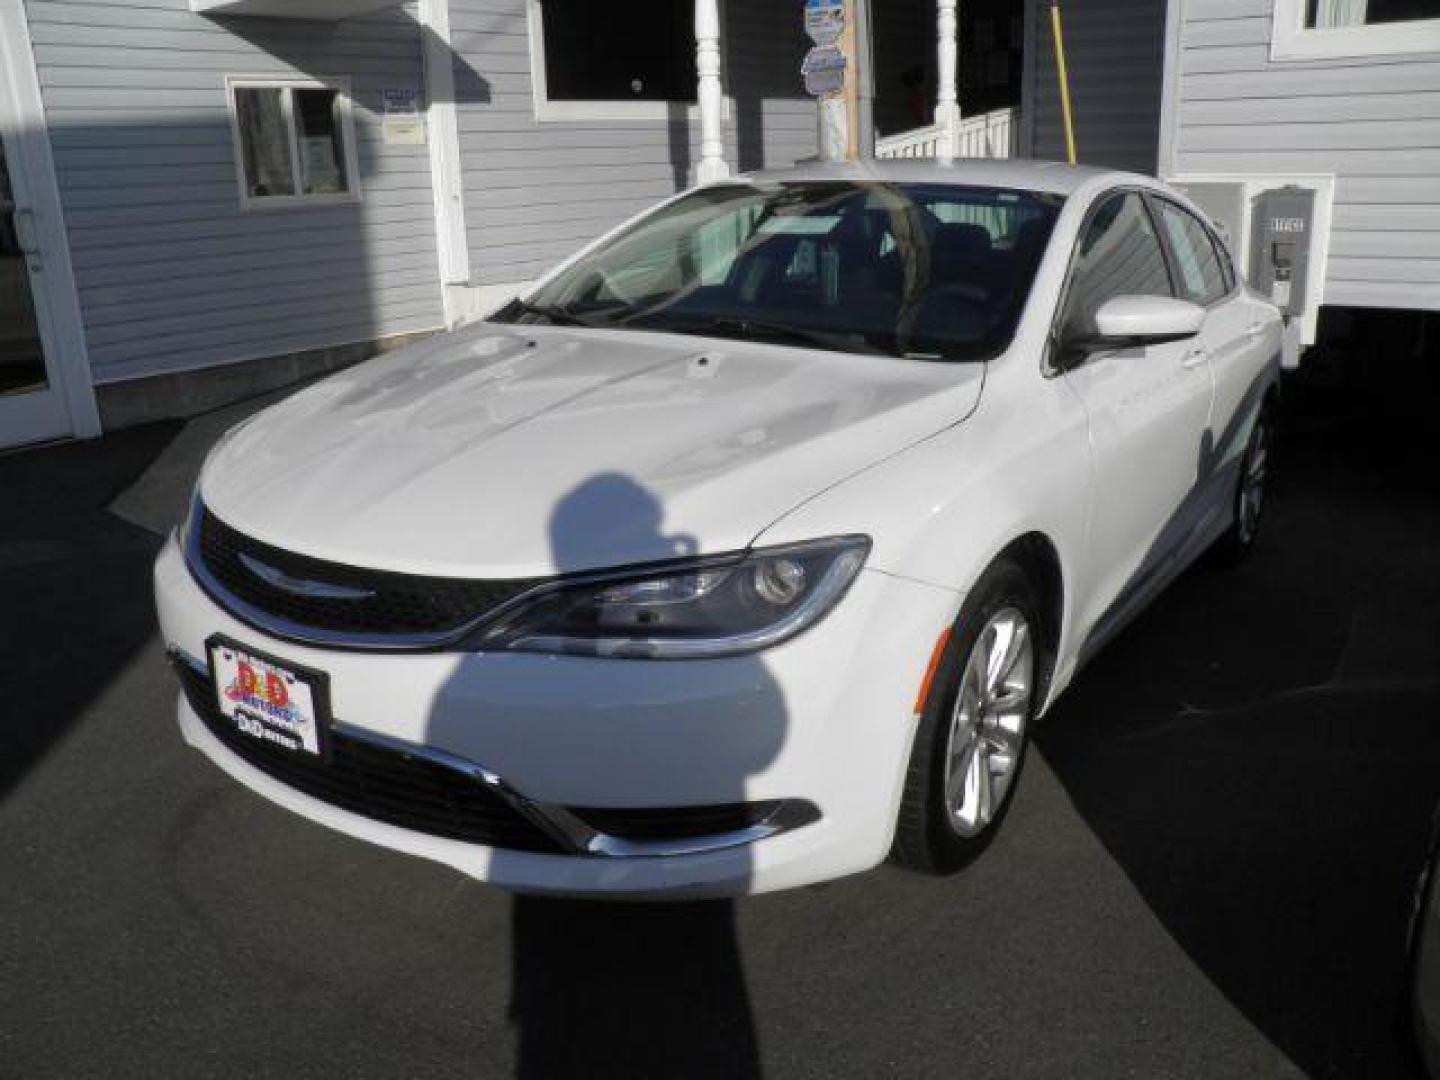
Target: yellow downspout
{"points": [[1064, 76]]}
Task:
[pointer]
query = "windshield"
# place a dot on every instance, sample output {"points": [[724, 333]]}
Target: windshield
{"points": [[926, 271]]}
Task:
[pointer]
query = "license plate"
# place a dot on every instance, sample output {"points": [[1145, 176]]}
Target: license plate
{"points": [[271, 700]]}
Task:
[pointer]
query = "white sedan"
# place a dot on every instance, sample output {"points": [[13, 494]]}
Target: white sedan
{"points": [[743, 551]]}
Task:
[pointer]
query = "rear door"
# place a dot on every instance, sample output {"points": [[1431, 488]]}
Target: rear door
{"points": [[1148, 409]]}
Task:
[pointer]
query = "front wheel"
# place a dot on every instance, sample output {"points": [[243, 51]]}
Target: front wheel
{"points": [[973, 731]]}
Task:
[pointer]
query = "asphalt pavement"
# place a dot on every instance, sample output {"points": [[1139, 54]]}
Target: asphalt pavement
{"points": [[1207, 872]]}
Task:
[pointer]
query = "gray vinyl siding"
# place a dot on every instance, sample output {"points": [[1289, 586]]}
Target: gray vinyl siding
{"points": [[172, 276], [534, 192], [1115, 53], [1374, 122]]}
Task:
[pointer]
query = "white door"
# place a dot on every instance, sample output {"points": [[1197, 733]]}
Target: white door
{"points": [[1234, 336], [1148, 411], [45, 389]]}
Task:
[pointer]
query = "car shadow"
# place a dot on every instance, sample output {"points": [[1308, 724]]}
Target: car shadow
{"points": [[602, 988], [76, 580], [1260, 753]]}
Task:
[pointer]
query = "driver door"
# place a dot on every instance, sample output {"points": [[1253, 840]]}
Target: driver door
{"points": [[1148, 410]]}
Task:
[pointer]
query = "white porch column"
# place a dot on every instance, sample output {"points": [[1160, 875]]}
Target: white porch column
{"points": [[712, 166], [947, 106], [446, 175]]}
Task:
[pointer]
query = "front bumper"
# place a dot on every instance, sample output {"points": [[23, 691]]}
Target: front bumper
{"points": [[821, 724]]}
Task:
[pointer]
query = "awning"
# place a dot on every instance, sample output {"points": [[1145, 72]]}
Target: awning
{"points": [[329, 10]]}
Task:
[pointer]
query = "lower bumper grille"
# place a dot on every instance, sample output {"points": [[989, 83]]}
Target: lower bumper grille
{"points": [[416, 793], [376, 782]]}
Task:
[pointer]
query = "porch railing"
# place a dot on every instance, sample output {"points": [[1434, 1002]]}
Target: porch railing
{"points": [[990, 135]]}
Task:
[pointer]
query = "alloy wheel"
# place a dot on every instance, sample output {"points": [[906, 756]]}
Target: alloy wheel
{"points": [[987, 726]]}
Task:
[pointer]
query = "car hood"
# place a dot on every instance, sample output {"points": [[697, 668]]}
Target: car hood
{"points": [[503, 451]]}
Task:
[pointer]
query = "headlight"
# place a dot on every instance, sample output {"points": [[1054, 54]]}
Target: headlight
{"points": [[700, 608]]}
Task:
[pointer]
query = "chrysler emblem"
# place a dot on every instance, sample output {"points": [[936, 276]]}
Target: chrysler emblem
{"points": [[311, 590]]}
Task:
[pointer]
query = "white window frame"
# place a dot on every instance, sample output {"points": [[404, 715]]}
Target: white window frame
{"points": [[547, 111], [299, 201], [1291, 39]]}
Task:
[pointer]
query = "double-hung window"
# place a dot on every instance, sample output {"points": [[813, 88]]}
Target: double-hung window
{"points": [[1315, 29], [294, 143]]}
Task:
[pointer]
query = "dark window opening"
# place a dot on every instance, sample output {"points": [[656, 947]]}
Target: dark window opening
{"points": [[636, 50]]}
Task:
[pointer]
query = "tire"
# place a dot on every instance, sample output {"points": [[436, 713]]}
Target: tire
{"points": [[942, 825], [1251, 489]]}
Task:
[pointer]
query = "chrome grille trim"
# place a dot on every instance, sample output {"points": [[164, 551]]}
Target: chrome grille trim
{"points": [[287, 629]]}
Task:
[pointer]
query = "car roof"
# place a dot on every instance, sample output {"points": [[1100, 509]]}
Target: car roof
{"points": [[1023, 174]]}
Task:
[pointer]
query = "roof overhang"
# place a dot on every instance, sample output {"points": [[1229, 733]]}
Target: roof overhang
{"points": [[329, 10]]}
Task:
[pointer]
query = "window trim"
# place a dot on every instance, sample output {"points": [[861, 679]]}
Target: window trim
{"points": [[299, 201], [1048, 367], [1291, 39], [569, 112]]}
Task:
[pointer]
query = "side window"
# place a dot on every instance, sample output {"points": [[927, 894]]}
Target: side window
{"points": [[294, 143], [1119, 255], [1201, 278]]}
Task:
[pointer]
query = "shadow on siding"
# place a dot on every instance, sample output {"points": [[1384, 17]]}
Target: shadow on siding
{"points": [[174, 276]]}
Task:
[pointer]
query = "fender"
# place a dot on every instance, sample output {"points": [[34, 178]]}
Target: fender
{"points": [[943, 510]]}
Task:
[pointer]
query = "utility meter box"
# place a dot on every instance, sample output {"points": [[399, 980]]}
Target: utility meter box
{"points": [[1277, 228], [1282, 221]]}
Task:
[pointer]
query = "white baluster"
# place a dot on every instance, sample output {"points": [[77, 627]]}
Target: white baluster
{"points": [[712, 166]]}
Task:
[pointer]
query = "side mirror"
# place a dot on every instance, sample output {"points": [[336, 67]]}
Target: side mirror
{"points": [[1128, 321]]}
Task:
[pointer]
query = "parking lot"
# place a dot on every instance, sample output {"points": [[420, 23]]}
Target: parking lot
{"points": [[1207, 872]]}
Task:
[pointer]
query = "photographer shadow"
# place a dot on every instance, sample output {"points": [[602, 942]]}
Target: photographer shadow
{"points": [[605, 988]]}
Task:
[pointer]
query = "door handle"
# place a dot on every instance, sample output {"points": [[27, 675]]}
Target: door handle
{"points": [[27, 234], [1194, 358]]}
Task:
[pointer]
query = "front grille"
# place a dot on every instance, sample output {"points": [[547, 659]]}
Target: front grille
{"points": [[377, 782], [400, 604]]}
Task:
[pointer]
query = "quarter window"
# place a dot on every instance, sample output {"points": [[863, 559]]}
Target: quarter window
{"points": [[1119, 255], [294, 143], [1196, 263]]}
